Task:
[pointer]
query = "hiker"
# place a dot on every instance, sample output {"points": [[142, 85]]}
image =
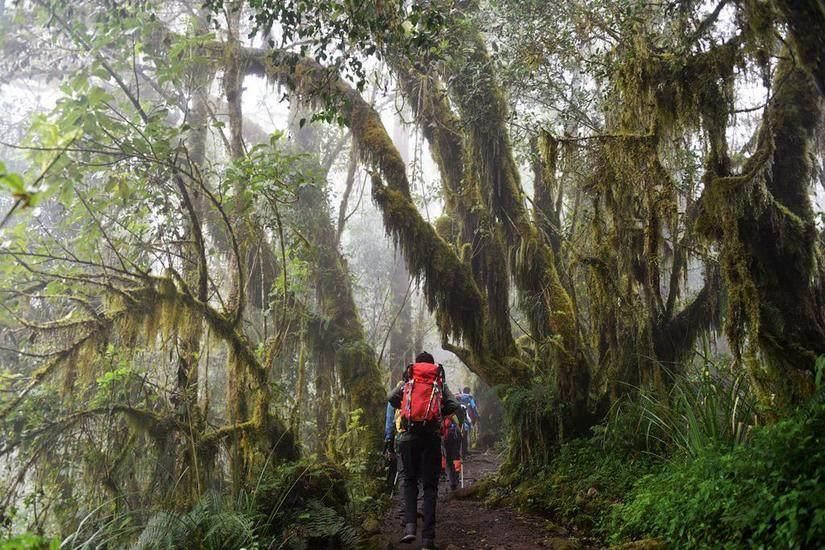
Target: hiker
{"points": [[451, 433], [424, 399], [395, 470], [471, 418], [390, 452]]}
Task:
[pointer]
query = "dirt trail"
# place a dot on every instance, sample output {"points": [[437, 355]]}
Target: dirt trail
{"points": [[468, 524]]}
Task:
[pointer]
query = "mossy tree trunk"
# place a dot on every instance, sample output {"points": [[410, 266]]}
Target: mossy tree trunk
{"points": [[806, 23], [770, 264], [449, 284], [468, 226], [343, 351], [249, 397], [241, 453], [401, 350], [642, 222], [553, 320]]}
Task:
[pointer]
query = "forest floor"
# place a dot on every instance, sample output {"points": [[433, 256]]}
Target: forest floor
{"points": [[463, 523]]}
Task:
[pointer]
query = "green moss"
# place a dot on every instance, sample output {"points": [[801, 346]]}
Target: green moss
{"points": [[490, 162], [446, 228], [361, 378], [449, 286], [764, 220]]}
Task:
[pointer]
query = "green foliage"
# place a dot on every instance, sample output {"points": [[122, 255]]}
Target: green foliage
{"points": [[297, 505], [353, 444], [345, 35], [710, 407], [766, 494], [304, 504], [529, 415], [12, 181], [28, 541], [211, 523], [113, 385], [32, 193], [580, 484], [819, 373]]}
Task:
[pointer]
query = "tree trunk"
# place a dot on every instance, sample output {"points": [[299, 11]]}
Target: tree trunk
{"points": [[765, 220], [342, 335]]}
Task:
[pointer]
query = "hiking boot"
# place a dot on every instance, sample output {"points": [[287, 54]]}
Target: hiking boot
{"points": [[409, 533], [428, 544]]}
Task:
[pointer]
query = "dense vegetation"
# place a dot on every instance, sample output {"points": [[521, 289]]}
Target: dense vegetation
{"points": [[605, 211]]}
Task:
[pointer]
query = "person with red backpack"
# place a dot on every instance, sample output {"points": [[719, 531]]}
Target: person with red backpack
{"points": [[451, 449], [424, 400]]}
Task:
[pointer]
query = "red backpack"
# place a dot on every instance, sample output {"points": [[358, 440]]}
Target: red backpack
{"points": [[449, 429], [422, 396]]}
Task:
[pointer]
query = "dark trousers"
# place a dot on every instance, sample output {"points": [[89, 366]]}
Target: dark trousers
{"points": [[421, 455], [399, 462], [452, 451]]}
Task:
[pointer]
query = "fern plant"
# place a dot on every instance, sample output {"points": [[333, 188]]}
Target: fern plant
{"points": [[297, 505], [211, 524]]}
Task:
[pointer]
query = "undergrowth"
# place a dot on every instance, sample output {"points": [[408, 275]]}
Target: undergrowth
{"points": [[298, 505], [29, 541], [765, 494], [694, 468], [579, 485]]}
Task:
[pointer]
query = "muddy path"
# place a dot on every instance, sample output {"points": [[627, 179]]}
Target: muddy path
{"points": [[468, 524]]}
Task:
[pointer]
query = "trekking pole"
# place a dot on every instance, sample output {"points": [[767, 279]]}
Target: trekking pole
{"points": [[394, 483]]}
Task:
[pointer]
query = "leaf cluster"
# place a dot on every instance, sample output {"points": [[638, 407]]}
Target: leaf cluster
{"points": [[764, 494]]}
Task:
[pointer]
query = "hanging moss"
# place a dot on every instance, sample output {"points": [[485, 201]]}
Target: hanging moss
{"points": [[340, 341], [663, 92], [449, 286], [154, 314], [531, 416], [401, 217], [446, 228], [479, 238], [655, 96], [764, 219], [483, 110]]}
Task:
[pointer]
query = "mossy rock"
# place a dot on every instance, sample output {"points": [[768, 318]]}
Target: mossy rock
{"points": [[477, 491], [296, 483], [371, 525]]}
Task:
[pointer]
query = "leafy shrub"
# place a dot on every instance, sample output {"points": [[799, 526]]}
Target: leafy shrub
{"points": [[580, 484], [28, 541], [764, 494], [211, 523], [305, 503]]}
